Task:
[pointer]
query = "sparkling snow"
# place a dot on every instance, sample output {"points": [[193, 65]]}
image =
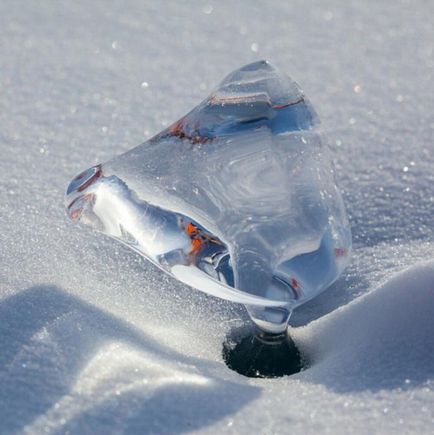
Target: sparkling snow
{"points": [[93, 338]]}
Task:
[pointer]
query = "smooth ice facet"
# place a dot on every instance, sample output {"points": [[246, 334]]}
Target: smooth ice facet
{"points": [[236, 199]]}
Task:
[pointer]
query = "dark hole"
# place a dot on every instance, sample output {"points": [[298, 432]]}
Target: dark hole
{"points": [[260, 355]]}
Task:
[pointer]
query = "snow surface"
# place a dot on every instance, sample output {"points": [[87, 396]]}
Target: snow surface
{"points": [[94, 339]]}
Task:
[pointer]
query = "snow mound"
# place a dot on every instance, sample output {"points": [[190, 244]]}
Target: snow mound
{"points": [[382, 340], [96, 340], [102, 374]]}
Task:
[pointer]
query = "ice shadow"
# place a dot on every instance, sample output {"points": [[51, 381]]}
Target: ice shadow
{"points": [[47, 337], [383, 340]]}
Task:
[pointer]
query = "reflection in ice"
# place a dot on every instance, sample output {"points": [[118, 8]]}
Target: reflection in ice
{"points": [[236, 199]]}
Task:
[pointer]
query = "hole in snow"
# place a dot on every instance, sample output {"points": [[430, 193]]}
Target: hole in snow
{"points": [[258, 355]]}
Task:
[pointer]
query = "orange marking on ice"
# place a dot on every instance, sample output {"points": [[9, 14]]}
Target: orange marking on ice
{"points": [[295, 284], [291, 103], [76, 214], [177, 129], [280, 106], [196, 246], [340, 252], [192, 229]]}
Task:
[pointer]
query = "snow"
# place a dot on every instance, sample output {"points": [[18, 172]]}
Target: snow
{"points": [[94, 339]]}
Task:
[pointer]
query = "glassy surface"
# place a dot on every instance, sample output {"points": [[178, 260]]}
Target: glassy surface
{"points": [[236, 199]]}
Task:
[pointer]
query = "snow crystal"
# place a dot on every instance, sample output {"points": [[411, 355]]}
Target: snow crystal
{"points": [[96, 340]]}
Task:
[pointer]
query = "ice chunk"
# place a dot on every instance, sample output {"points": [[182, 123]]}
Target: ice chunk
{"points": [[236, 199]]}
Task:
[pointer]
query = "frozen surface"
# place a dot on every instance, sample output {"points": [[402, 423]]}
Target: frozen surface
{"points": [[93, 338]]}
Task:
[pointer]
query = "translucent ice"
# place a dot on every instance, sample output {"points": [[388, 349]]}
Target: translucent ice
{"points": [[236, 199]]}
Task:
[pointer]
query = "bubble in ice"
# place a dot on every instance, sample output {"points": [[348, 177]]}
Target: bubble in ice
{"points": [[236, 199]]}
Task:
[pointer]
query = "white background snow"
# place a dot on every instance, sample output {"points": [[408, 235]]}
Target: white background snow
{"points": [[94, 339]]}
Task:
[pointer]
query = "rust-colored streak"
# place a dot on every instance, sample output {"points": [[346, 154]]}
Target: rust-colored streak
{"points": [[199, 239], [292, 103], [196, 246], [79, 202], [296, 287], [192, 230], [92, 179], [295, 284], [179, 129], [340, 252], [75, 215]]}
